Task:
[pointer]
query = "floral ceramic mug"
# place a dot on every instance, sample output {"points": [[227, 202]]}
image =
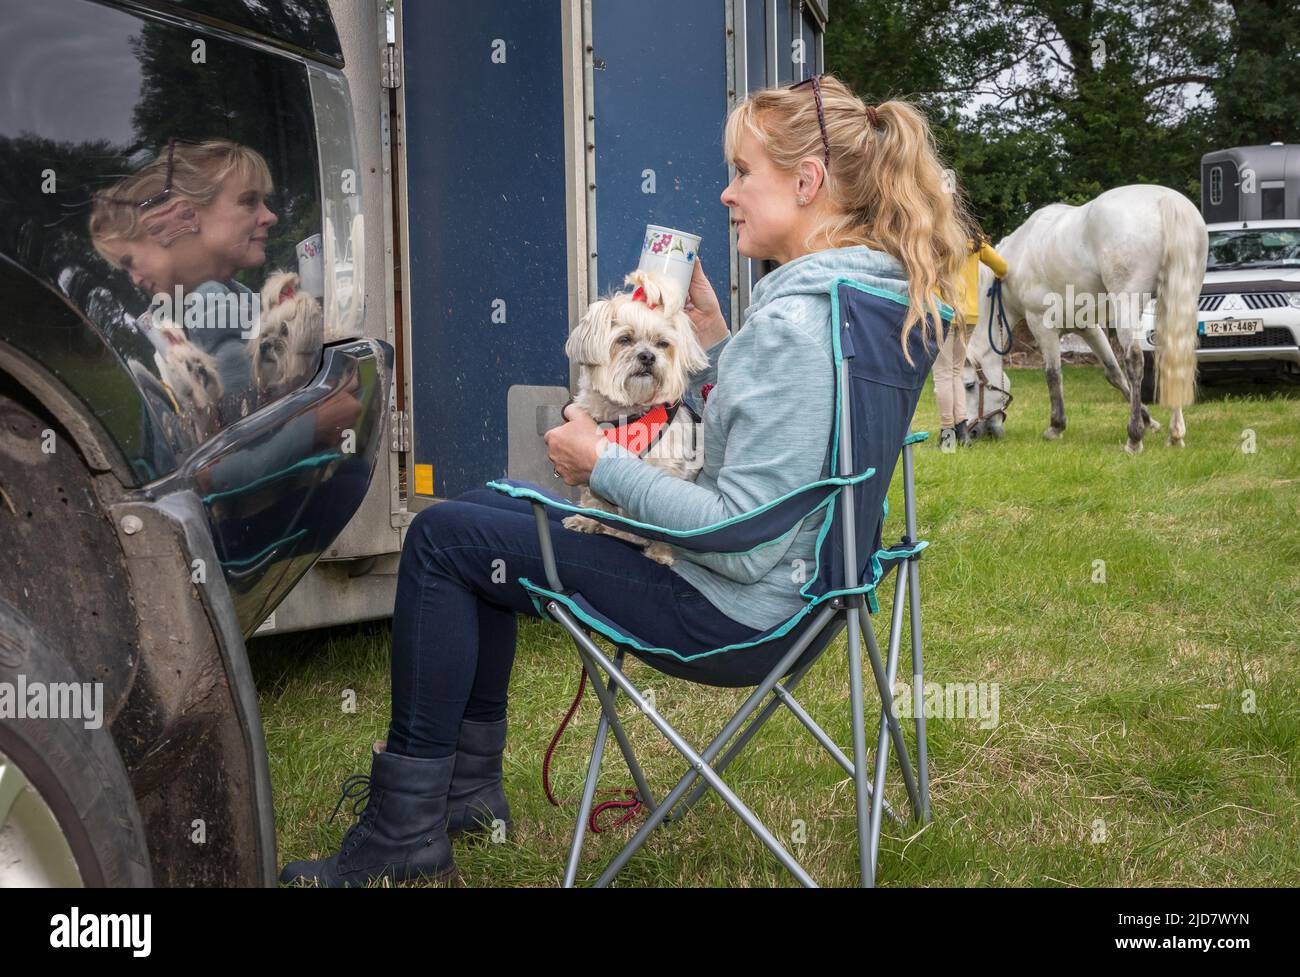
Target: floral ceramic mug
{"points": [[670, 253]]}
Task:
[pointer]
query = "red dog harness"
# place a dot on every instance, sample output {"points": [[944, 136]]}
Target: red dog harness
{"points": [[641, 433]]}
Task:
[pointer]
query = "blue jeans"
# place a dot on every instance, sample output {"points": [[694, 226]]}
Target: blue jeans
{"points": [[454, 624]]}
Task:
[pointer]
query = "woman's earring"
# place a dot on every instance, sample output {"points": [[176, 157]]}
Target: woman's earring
{"points": [[803, 201]]}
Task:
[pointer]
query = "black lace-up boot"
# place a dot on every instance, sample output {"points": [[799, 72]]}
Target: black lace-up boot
{"points": [[402, 832]]}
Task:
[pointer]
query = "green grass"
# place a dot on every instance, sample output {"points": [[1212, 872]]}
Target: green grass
{"points": [[1125, 754]]}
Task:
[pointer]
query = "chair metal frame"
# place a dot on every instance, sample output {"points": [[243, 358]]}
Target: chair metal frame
{"points": [[850, 611]]}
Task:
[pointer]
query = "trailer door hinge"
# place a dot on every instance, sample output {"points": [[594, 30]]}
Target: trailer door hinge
{"points": [[399, 431], [392, 75]]}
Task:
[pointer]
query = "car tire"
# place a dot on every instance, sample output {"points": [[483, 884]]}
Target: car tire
{"points": [[1148, 378], [68, 815]]}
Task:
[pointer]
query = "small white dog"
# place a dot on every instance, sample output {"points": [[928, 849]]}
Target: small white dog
{"points": [[636, 352], [192, 378], [286, 344]]}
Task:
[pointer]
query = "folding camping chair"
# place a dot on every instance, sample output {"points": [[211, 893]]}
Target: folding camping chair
{"points": [[876, 395]]}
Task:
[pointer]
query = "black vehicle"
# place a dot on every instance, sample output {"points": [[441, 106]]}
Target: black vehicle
{"points": [[189, 416]]}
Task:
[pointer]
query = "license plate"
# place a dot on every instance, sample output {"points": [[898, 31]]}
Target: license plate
{"points": [[1231, 327]]}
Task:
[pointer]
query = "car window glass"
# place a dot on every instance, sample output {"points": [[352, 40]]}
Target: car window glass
{"points": [[165, 182]]}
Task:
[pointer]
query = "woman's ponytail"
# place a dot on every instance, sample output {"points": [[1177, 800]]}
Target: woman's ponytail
{"points": [[915, 212]]}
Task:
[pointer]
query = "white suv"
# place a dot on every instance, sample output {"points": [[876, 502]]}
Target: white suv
{"points": [[1249, 311]]}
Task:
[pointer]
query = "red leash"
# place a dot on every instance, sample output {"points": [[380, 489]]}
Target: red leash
{"points": [[632, 803]]}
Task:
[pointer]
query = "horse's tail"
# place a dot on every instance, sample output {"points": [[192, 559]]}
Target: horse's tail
{"points": [[1182, 270]]}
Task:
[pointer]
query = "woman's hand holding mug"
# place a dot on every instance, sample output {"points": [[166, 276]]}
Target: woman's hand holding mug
{"points": [[703, 308]]}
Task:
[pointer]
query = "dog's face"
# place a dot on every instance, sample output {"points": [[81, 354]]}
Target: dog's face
{"points": [[637, 353], [272, 353], [190, 372], [204, 380], [288, 337]]}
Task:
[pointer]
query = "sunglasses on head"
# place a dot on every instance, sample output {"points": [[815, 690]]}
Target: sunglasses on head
{"points": [[162, 194], [821, 116]]}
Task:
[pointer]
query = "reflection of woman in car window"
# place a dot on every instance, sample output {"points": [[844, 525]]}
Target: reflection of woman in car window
{"points": [[181, 228]]}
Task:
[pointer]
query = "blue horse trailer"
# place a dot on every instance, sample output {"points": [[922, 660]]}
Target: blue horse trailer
{"points": [[537, 141], [524, 146]]}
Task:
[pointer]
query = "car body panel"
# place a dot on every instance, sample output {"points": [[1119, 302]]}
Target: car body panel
{"points": [[207, 513], [281, 484]]}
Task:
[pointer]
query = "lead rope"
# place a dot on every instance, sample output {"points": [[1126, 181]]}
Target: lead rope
{"points": [[632, 802], [995, 292]]}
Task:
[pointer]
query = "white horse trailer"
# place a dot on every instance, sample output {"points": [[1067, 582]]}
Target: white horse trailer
{"points": [[512, 153], [1251, 183]]}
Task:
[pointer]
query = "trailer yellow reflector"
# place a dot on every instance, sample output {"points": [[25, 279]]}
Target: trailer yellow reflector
{"points": [[424, 480]]}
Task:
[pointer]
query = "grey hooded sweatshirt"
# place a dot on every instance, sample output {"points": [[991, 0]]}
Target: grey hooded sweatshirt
{"points": [[766, 431]]}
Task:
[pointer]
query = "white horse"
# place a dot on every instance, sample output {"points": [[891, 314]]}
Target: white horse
{"points": [[1080, 269]]}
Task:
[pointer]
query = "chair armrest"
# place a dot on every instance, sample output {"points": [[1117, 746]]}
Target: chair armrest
{"points": [[741, 533]]}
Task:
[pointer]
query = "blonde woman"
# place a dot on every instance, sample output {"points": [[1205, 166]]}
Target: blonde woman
{"points": [[190, 220], [948, 365], [826, 185]]}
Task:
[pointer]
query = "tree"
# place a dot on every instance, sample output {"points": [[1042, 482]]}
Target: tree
{"points": [[1039, 101]]}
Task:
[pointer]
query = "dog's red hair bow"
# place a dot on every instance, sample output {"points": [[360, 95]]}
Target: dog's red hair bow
{"points": [[639, 296]]}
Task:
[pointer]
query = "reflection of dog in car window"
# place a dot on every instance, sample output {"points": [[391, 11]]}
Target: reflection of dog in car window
{"points": [[192, 377], [287, 341]]}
